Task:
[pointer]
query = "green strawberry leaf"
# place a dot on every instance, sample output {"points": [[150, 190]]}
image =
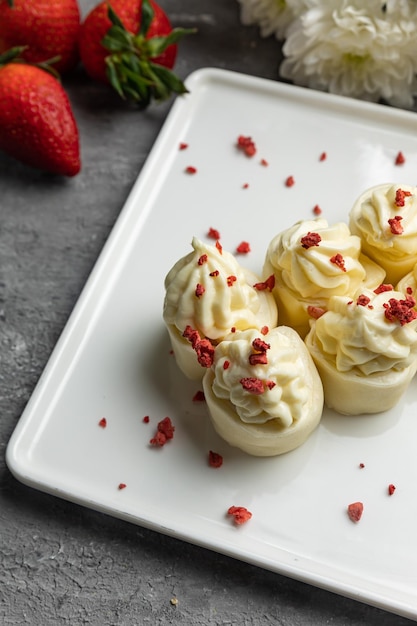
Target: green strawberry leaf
{"points": [[157, 45], [146, 17]]}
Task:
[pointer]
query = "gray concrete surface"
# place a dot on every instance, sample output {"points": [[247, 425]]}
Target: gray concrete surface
{"points": [[60, 563]]}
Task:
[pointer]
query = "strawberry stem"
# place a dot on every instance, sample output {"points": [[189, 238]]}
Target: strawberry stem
{"points": [[129, 66], [13, 55]]}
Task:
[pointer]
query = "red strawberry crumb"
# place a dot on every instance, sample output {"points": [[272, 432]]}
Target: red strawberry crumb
{"points": [[399, 159], [383, 287], [315, 311], [199, 396], [219, 247], [409, 291], [400, 196], [400, 310], [391, 489], [355, 511], [264, 162], [310, 240], [264, 330], [103, 422], [122, 486], [240, 514], [338, 260], [233, 329], [164, 432], [203, 347], [270, 384], [268, 284], [213, 233], [363, 300], [243, 248], [231, 281], [317, 210], [361, 465], [190, 169], [226, 365], [258, 358], [214, 273], [183, 145], [252, 385], [202, 259], [247, 145], [199, 290], [323, 156], [145, 420], [260, 345], [215, 459], [395, 225], [245, 186], [290, 181]]}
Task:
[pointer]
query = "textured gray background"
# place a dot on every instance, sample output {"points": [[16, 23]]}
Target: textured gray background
{"points": [[60, 563]]}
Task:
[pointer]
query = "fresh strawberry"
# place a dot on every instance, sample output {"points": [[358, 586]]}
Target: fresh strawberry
{"points": [[132, 45], [48, 28], [37, 125]]}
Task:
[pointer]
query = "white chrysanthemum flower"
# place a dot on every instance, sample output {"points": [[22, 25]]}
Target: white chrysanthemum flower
{"points": [[363, 50], [272, 16]]}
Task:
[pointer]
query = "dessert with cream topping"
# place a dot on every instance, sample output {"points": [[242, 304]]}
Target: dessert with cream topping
{"points": [[365, 350], [263, 391], [385, 218], [208, 294], [312, 261]]}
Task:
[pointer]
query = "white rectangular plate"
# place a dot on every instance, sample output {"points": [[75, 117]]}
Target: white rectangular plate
{"points": [[113, 359]]}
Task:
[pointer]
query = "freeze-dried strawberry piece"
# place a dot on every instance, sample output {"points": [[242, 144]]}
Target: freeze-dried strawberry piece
{"points": [[243, 248], [315, 311], [215, 459], [395, 225], [103, 422], [310, 240], [258, 358], [399, 159], [164, 432], [290, 181], [252, 385], [267, 284], [240, 514], [391, 489], [338, 260], [383, 287], [199, 396], [213, 233], [400, 196], [247, 145], [363, 300], [260, 345], [355, 511], [400, 310]]}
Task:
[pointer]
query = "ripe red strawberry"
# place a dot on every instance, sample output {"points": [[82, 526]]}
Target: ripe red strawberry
{"points": [[132, 45], [48, 28], [37, 125]]}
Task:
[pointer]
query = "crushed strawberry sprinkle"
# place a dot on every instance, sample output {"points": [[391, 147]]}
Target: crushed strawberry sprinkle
{"points": [[289, 181], [310, 240], [183, 145], [226, 364], [190, 169], [164, 432], [219, 246], [361, 465], [199, 290], [391, 489], [233, 329], [203, 259], [400, 196], [121, 486], [395, 225], [267, 284], [247, 145], [401, 311], [252, 385], [214, 273], [192, 335], [258, 358], [203, 347], [363, 300], [245, 186], [270, 384], [240, 514], [213, 233], [264, 162], [338, 260], [231, 281], [103, 422], [264, 330], [317, 210], [383, 287], [145, 419], [260, 345], [199, 396], [315, 311], [243, 247], [215, 459], [323, 156], [399, 159], [355, 511], [409, 290]]}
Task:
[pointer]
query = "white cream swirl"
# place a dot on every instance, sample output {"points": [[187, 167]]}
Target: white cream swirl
{"points": [[285, 394], [313, 271], [209, 290], [369, 217], [357, 334]]}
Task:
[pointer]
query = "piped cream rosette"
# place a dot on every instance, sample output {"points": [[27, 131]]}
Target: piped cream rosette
{"points": [[263, 392], [311, 262], [365, 350], [385, 218], [209, 292]]}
